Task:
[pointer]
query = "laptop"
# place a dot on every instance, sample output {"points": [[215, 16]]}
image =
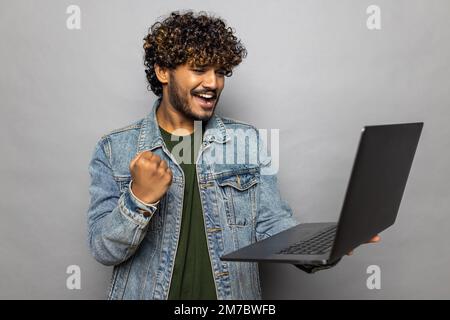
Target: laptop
{"points": [[378, 178]]}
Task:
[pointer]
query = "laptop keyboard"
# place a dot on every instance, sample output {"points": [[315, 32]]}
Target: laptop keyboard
{"points": [[320, 243]]}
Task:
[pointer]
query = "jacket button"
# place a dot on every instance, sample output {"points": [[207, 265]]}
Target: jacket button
{"points": [[144, 212]]}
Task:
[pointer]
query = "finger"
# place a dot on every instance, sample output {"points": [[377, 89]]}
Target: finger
{"points": [[375, 239], [148, 155], [170, 175], [156, 158], [136, 158], [163, 164], [350, 253]]}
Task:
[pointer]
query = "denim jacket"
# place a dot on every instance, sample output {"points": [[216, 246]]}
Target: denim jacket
{"points": [[240, 200]]}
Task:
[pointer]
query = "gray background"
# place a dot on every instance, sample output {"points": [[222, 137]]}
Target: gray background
{"points": [[314, 71]]}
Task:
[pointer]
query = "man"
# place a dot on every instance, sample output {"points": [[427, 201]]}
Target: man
{"points": [[163, 215]]}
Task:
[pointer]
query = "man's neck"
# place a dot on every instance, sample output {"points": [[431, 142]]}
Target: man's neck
{"points": [[171, 120]]}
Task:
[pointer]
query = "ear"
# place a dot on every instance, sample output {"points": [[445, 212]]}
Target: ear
{"points": [[162, 74]]}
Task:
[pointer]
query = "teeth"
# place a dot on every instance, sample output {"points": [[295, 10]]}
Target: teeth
{"points": [[206, 96]]}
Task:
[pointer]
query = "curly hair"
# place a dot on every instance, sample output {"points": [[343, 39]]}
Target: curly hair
{"points": [[196, 39]]}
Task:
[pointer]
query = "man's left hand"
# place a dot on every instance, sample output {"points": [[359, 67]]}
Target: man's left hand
{"points": [[375, 239]]}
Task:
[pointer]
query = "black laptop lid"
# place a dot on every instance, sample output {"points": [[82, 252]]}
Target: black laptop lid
{"points": [[378, 179]]}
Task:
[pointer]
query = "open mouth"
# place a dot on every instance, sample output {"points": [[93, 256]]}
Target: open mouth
{"points": [[205, 100]]}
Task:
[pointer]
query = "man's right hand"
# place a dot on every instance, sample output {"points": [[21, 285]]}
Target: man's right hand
{"points": [[151, 177]]}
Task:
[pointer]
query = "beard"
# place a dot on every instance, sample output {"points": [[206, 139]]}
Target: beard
{"points": [[179, 100]]}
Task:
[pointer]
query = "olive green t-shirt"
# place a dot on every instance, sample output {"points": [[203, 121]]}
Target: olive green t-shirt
{"points": [[192, 276]]}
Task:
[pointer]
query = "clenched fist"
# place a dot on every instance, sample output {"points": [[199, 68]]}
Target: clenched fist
{"points": [[151, 177]]}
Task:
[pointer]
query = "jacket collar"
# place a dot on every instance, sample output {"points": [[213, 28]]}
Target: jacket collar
{"points": [[150, 135]]}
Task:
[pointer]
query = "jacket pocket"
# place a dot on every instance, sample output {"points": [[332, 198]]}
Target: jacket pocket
{"points": [[238, 191]]}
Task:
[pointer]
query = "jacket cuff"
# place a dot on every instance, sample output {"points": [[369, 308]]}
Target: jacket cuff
{"points": [[151, 205], [134, 209]]}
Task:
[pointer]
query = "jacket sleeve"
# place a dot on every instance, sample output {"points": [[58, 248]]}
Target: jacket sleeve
{"points": [[274, 213], [116, 221]]}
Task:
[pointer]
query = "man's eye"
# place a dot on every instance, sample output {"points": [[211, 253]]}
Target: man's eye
{"points": [[199, 70]]}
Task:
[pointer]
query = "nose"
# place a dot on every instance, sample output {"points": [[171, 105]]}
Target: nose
{"points": [[210, 79]]}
